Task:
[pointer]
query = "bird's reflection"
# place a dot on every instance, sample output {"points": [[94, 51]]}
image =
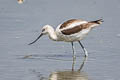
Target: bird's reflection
{"points": [[81, 66], [66, 74], [70, 74]]}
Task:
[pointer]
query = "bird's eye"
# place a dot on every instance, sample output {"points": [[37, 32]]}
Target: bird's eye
{"points": [[43, 30]]}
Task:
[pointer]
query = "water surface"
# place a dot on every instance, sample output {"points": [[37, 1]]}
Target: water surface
{"points": [[21, 23]]}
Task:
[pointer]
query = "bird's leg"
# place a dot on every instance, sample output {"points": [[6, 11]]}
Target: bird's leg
{"points": [[74, 56], [85, 51], [81, 66], [73, 64]]}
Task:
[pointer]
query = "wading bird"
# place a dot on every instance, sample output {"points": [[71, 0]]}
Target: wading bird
{"points": [[70, 31]]}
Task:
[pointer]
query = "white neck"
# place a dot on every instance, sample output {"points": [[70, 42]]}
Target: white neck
{"points": [[52, 34]]}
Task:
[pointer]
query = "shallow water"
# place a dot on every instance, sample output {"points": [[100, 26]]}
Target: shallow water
{"points": [[45, 60]]}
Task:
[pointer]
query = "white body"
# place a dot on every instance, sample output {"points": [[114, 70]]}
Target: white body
{"points": [[57, 35], [73, 37]]}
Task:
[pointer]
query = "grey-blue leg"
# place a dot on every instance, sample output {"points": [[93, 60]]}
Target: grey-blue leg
{"points": [[73, 49], [74, 56], [85, 51]]}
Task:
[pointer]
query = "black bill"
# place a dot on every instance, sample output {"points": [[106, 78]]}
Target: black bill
{"points": [[36, 39]]}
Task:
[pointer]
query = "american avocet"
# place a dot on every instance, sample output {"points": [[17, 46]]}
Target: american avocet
{"points": [[70, 31]]}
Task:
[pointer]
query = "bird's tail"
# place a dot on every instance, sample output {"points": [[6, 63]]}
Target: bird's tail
{"points": [[98, 21]]}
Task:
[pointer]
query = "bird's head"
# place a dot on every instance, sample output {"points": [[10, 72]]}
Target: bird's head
{"points": [[44, 31]]}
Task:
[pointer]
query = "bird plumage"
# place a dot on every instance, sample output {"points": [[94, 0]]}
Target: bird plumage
{"points": [[70, 31], [74, 29]]}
